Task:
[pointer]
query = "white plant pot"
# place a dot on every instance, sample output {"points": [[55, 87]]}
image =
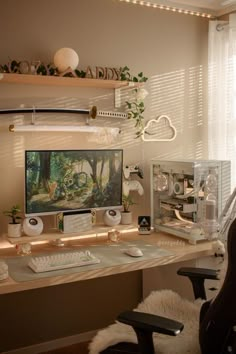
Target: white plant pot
{"points": [[126, 218], [14, 230]]}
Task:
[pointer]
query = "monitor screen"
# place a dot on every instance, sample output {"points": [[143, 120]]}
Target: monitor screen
{"points": [[70, 180]]}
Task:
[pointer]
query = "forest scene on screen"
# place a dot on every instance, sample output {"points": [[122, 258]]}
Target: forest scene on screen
{"points": [[71, 180]]}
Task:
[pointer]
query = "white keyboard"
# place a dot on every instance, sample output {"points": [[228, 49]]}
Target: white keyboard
{"points": [[62, 260]]}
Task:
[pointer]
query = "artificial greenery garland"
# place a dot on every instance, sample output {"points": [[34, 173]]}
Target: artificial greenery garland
{"points": [[14, 67]]}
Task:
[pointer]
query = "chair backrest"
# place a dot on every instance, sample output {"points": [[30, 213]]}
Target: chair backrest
{"points": [[216, 332]]}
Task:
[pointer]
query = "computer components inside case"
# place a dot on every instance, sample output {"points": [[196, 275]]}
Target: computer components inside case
{"points": [[188, 196]]}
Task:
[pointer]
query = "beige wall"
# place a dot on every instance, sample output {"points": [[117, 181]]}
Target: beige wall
{"points": [[171, 50]]}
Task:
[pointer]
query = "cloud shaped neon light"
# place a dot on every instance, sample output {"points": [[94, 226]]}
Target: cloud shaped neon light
{"points": [[156, 121]]}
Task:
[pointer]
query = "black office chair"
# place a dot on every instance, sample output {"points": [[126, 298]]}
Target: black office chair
{"points": [[217, 319]]}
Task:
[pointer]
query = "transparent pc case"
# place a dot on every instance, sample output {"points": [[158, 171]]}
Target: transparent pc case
{"points": [[188, 196]]}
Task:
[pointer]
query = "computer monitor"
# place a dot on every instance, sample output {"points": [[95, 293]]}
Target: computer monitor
{"points": [[72, 180]]}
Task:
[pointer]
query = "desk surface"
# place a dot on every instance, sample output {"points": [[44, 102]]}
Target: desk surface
{"points": [[179, 250]]}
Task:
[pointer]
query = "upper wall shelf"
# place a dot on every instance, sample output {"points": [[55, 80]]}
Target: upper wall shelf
{"points": [[62, 81]]}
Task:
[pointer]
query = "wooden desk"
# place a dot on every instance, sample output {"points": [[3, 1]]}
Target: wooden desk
{"points": [[64, 308], [181, 251]]}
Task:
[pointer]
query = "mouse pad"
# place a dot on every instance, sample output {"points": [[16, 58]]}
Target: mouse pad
{"points": [[110, 255]]}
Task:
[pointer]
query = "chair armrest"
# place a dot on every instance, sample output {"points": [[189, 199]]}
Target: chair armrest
{"points": [[202, 273], [151, 323], [197, 277]]}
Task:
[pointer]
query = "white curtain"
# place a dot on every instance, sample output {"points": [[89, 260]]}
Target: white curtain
{"points": [[222, 92]]}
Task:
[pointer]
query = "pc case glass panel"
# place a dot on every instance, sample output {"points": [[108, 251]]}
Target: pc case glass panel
{"points": [[188, 196]]}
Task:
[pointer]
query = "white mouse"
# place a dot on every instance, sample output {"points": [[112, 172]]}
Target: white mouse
{"points": [[134, 252]]}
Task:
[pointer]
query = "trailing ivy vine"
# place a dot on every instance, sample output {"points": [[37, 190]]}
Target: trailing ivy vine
{"points": [[136, 107]]}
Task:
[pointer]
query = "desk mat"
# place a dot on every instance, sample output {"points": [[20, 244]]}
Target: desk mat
{"points": [[110, 255]]}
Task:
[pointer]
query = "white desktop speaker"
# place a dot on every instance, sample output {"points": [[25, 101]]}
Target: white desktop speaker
{"points": [[74, 222], [112, 217], [33, 226]]}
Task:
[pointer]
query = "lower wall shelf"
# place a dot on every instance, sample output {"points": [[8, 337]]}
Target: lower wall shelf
{"points": [[54, 234]]}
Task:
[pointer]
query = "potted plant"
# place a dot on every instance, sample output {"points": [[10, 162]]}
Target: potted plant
{"points": [[14, 227], [126, 214]]}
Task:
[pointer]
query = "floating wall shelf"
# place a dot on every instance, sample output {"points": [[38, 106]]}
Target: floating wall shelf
{"points": [[52, 235], [62, 81]]}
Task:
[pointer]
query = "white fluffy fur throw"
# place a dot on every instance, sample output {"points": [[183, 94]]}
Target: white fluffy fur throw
{"points": [[163, 303], [168, 304]]}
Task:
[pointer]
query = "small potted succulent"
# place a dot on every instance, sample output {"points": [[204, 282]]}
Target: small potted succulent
{"points": [[126, 214], [14, 227]]}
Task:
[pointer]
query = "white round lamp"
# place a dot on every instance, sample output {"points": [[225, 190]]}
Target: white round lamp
{"points": [[66, 58], [33, 226]]}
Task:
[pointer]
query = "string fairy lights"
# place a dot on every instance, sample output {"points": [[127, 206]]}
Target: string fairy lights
{"points": [[170, 8]]}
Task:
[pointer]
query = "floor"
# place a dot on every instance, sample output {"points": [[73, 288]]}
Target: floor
{"points": [[80, 348]]}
